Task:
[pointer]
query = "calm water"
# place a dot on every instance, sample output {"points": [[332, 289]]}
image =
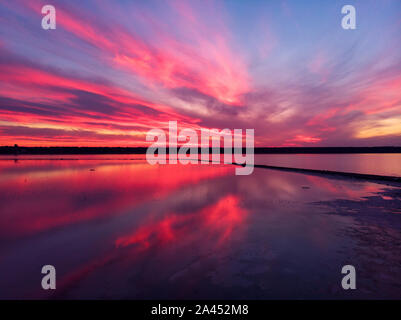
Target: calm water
{"points": [[380, 164], [124, 229]]}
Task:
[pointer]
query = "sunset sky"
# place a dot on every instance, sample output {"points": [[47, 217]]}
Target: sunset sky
{"points": [[112, 70]]}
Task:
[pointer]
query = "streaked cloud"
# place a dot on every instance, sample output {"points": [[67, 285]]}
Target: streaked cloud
{"points": [[113, 70]]}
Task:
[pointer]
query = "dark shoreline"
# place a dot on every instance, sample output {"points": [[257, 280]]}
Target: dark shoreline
{"points": [[8, 150]]}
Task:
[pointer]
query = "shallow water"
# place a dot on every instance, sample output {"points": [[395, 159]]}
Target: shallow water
{"points": [[125, 229], [371, 163]]}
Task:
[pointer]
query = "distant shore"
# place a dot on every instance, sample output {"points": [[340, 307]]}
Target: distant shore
{"points": [[17, 150]]}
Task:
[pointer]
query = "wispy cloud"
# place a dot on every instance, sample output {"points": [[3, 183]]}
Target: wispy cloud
{"points": [[110, 72]]}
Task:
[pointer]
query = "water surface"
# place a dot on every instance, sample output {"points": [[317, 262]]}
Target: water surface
{"points": [[121, 228], [370, 163]]}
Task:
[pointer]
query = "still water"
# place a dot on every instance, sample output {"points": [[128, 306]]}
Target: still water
{"points": [[116, 227], [378, 164]]}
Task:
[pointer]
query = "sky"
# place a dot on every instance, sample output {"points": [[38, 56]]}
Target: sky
{"points": [[113, 70]]}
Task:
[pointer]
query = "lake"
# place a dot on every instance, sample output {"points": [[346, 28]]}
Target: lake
{"points": [[370, 163], [115, 227]]}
